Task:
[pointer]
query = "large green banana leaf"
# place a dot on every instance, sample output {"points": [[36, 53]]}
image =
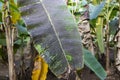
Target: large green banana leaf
{"points": [[54, 33]]}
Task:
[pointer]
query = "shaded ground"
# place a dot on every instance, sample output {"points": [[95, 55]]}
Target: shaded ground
{"points": [[3, 71], [86, 74]]}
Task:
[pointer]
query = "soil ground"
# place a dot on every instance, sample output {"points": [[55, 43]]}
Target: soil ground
{"points": [[86, 73], [89, 75]]}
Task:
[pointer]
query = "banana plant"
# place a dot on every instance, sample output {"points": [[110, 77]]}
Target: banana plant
{"points": [[53, 44], [103, 27], [55, 36], [53, 29], [94, 13]]}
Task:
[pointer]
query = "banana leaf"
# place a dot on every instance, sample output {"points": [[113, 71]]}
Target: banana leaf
{"points": [[114, 26], [95, 10], [54, 32], [99, 34], [94, 65]]}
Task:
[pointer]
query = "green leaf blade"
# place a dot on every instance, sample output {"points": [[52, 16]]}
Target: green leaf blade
{"points": [[94, 65], [95, 10], [53, 27], [99, 33]]}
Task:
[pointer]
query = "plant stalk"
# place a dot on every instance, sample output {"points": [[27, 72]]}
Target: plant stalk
{"points": [[9, 30], [107, 47]]}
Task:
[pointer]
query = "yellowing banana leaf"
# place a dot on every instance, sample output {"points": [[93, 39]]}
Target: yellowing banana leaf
{"points": [[40, 69], [54, 32], [15, 14]]}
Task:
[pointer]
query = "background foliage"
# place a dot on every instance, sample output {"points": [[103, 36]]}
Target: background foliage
{"points": [[103, 23]]}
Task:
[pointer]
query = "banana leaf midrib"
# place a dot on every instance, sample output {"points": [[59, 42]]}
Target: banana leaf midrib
{"points": [[48, 15]]}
